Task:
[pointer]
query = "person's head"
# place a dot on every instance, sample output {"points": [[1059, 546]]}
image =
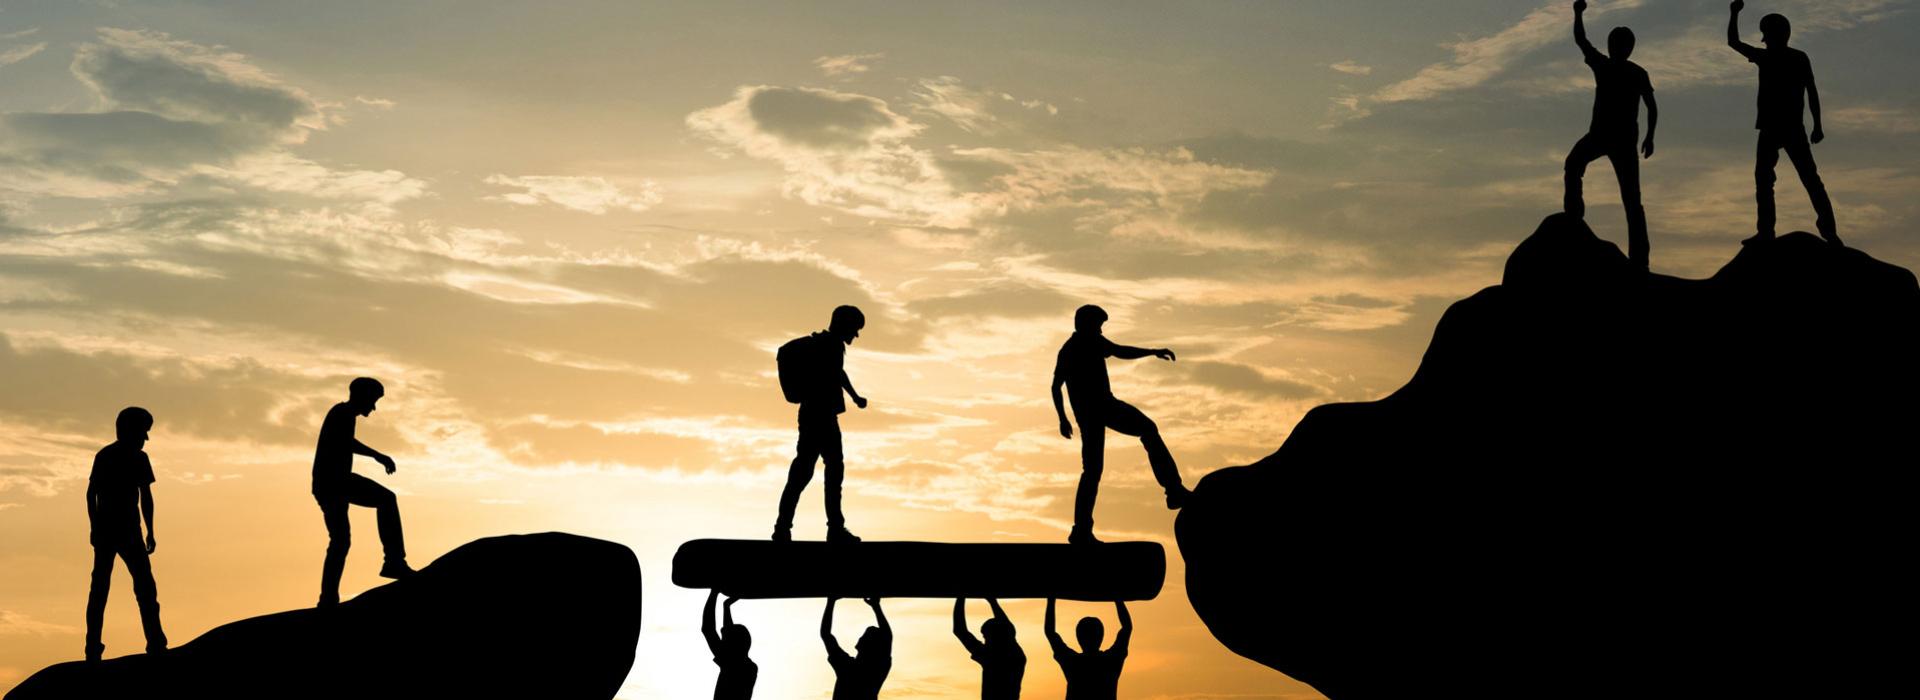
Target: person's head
{"points": [[363, 393], [736, 639], [1620, 43], [132, 424], [1090, 632], [997, 631], [1089, 318], [846, 324], [874, 641], [1774, 30]]}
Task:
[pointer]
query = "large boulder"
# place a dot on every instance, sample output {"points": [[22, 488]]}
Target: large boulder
{"points": [[1598, 482], [525, 616]]}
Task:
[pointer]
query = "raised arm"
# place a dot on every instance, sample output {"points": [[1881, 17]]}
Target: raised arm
{"points": [[1733, 30], [706, 624], [1813, 103], [1580, 33], [146, 509], [1653, 121], [1128, 352], [998, 614], [880, 616], [1125, 635], [1053, 636], [960, 630], [826, 630]]}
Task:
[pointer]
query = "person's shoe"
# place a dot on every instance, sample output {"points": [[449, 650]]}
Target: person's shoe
{"points": [[782, 534], [1178, 497], [841, 535], [156, 648], [396, 569], [327, 601], [1081, 536], [94, 651], [1834, 239], [1758, 238]]}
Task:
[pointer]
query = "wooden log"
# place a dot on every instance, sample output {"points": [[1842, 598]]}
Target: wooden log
{"points": [[768, 569]]}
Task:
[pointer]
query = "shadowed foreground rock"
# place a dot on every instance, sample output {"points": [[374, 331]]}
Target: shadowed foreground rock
{"points": [[526, 616], [1597, 483], [767, 569]]}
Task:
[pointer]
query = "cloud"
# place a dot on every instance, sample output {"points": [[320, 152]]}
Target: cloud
{"points": [[965, 107], [17, 54], [375, 102], [1476, 61], [18, 623], [1351, 68], [1875, 118], [593, 195], [849, 64]]}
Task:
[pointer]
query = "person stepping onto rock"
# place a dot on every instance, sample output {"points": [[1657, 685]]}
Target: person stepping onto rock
{"points": [[119, 498], [1620, 85], [813, 374], [1082, 368], [1787, 92], [335, 487]]}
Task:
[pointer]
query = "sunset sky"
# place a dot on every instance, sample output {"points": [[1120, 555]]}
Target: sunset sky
{"points": [[568, 236]]}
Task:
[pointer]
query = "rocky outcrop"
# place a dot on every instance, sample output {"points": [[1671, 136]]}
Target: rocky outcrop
{"points": [[1598, 482], [527, 616]]}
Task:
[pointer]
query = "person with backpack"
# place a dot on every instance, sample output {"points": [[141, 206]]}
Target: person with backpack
{"points": [[813, 374]]}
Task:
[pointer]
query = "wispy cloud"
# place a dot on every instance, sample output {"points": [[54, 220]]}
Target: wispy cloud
{"points": [[848, 64], [590, 194], [1351, 68], [17, 54]]}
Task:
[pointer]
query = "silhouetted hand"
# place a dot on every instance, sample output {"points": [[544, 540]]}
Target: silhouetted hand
{"points": [[1738, 5], [860, 401], [730, 601], [1066, 429], [151, 545], [873, 603], [1579, 6], [1818, 134], [1164, 354], [387, 462], [1646, 148]]}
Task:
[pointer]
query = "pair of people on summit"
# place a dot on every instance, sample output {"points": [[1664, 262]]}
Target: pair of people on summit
{"points": [[1786, 91], [1081, 367]]}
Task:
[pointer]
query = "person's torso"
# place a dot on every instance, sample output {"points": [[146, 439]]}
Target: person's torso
{"points": [[1784, 74], [333, 452], [1001, 671], [1094, 675], [736, 679], [118, 473], [827, 358], [860, 679], [1083, 364], [1616, 96]]}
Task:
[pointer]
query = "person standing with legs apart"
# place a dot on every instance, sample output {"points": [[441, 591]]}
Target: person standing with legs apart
{"points": [[1787, 92], [335, 487], [1082, 368], [1619, 86], [813, 374], [119, 498]]}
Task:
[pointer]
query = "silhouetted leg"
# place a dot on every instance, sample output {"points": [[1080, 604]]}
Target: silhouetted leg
{"points": [[1801, 155], [1766, 155], [1626, 169], [333, 510], [1093, 446], [830, 453], [806, 452], [362, 491], [147, 595], [1125, 419], [1584, 151], [97, 598]]}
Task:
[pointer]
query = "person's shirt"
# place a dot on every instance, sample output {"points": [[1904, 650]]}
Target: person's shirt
{"points": [[1785, 74], [1082, 364], [120, 470], [1619, 85], [858, 677], [737, 676], [333, 455], [827, 358], [1092, 675], [1002, 667]]}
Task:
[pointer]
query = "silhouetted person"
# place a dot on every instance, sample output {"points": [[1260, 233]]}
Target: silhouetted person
{"points": [[1082, 368], [1620, 85], [335, 487], [729, 646], [119, 497], [1091, 674], [860, 675], [1002, 663], [818, 360], [1786, 93]]}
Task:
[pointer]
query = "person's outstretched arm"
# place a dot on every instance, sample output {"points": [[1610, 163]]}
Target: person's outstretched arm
{"points": [[960, 630], [846, 383], [1128, 352], [880, 616], [1053, 636], [361, 448], [826, 631], [146, 509], [1580, 33], [1733, 30], [1125, 635], [706, 624], [1813, 103], [1653, 121]]}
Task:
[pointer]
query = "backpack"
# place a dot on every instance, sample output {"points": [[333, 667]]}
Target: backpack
{"points": [[795, 360]]}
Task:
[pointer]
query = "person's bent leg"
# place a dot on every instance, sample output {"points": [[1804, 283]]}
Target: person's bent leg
{"points": [[836, 467], [102, 582], [1766, 156], [333, 510], [1583, 153], [362, 491], [147, 595], [1801, 155], [1131, 421], [1626, 169]]}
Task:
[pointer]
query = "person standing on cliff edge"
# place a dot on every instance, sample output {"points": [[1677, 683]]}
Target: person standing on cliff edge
{"points": [[1082, 368], [1619, 86], [335, 487], [1787, 92]]}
